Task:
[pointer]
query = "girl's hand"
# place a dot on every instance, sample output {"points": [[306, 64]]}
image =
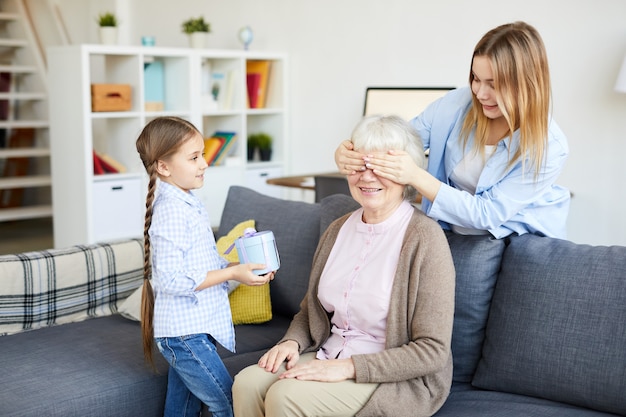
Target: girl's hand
{"points": [[243, 273], [348, 161], [238, 272], [332, 370], [397, 166], [273, 358]]}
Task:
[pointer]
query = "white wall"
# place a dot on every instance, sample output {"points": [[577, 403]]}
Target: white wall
{"points": [[339, 47]]}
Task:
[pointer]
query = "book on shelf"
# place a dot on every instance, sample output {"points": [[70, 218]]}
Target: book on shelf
{"points": [[227, 147], [226, 99], [218, 87], [212, 145], [252, 82], [221, 90], [98, 169], [257, 80], [111, 164], [208, 102], [104, 164], [154, 85]]}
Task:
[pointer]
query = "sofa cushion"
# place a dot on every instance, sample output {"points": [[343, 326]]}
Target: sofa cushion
{"points": [[90, 368], [251, 304], [477, 262], [295, 225], [131, 306], [39, 289], [467, 402], [335, 206], [557, 325]]}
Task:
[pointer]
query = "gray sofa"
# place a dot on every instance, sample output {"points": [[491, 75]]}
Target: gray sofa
{"points": [[540, 323]]}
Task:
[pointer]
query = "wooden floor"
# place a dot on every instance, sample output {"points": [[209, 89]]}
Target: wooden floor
{"points": [[25, 235]]}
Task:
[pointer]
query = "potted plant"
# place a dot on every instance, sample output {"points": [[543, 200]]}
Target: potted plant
{"points": [[108, 28], [264, 143], [197, 29], [252, 146]]}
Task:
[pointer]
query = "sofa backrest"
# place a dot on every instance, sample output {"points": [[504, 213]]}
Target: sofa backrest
{"points": [[557, 324], [477, 260], [45, 288], [296, 226]]}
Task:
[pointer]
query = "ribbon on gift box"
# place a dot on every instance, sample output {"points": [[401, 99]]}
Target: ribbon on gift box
{"points": [[248, 231]]}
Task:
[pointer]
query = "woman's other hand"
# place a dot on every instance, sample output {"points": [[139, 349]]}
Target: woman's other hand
{"points": [[332, 370], [348, 161], [399, 167], [273, 358], [396, 166]]}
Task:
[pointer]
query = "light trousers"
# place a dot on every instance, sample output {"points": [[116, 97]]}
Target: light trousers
{"points": [[258, 393]]}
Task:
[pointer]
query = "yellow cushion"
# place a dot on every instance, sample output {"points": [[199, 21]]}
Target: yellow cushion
{"points": [[248, 304], [251, 304], [227, 241]]}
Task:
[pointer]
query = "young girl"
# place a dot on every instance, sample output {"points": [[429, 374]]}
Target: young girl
{"points": [[185, 305], [495, 152]]}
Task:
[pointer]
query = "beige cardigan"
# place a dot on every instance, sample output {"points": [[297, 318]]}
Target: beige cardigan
{"points": [[415, 369]]}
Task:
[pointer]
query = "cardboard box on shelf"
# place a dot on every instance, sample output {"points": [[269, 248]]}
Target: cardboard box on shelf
{"points": [[110, 97]]}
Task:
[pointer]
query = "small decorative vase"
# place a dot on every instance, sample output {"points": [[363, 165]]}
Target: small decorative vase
{"points": [[197, 40], [108, 35]]}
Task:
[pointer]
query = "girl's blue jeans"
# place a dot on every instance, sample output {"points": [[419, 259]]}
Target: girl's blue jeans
{"points": [[197, 375]]}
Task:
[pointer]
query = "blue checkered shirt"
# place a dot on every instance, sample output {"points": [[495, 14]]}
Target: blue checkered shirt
{"points": [[183, 251]]}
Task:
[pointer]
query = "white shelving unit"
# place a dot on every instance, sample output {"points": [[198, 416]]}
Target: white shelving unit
{"points": [[91, 208], [24, 154]]}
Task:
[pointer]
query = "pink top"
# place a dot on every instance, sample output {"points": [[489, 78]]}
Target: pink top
{"points": [[356, 283]]}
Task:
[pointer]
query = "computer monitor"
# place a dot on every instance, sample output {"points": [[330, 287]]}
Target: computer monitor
{"points": [[406, 102]]}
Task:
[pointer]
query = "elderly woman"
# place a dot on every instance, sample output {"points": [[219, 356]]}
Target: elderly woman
{"points": [[373, 334]]}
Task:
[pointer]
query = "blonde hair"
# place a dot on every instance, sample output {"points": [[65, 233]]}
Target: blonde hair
{"points": [[522, 81], [378, 133], [160, 139]]}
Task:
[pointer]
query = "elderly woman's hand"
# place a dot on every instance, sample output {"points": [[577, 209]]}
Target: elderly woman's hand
{"points": [[348, 161], [273, 358], [332, 370]]}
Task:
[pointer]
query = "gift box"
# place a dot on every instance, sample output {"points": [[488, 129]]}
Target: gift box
{"points": [[110, 97], [260, 248]]}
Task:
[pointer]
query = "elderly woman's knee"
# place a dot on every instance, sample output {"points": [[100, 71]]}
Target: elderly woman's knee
{"points": [[245, 380], [284, 397]]}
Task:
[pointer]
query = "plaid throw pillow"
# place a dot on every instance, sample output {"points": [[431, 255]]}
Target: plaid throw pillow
{"points": [[40, 289]]}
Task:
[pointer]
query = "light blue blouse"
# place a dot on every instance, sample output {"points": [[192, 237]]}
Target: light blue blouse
{"points": [[507, 200]]}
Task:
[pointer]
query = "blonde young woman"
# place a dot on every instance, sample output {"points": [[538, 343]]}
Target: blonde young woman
{"points": [[185, 304], [494, 151], [373, 335]]}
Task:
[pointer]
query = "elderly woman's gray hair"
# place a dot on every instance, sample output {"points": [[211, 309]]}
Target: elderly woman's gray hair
{"points": [[379, 133]]}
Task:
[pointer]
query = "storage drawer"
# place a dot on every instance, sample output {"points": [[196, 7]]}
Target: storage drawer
{"points": [[118, 209], [256, 179]]}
